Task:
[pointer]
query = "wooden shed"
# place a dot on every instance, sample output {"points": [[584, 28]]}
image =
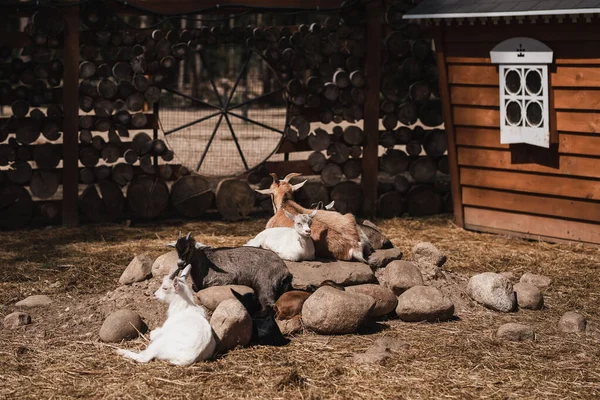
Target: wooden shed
{"points": [[520, 87]]}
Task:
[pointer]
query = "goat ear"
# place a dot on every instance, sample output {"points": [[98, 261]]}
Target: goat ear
{"points": [[172, 244], [312, 214], [289, 215], [297, 186], [330, 205], [368, 223], [201, 246], [237, 295], [264, 191], [176, 285]]}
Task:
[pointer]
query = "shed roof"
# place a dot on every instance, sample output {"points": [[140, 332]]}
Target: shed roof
{"points": [[444, 9]]}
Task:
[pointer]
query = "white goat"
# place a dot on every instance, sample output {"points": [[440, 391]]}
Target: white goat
{"points": [[292, 244], [186, 336]]}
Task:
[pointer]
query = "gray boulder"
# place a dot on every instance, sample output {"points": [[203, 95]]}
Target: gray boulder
{"points": [[212, 296], [139, 269], [16, 319], [290, 326], [528, 296], [331, 311], [400, 276], [385, 299], [231, 324], [540, 281], [493, 291], [381, 258], [572, 322], [164, 264], [429, 259], [122, 325], [312, 274], [38, 300], [515, 332], [424, 303]]}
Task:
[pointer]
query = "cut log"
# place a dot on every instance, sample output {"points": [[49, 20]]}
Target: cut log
{"points": [[125, 89], [7, 154], [355, 151], [19, 172], [87, 69], [423, 200], [110, 154], [141, 143], [234, 199], [407, 113], [102, 172], [353, 135], [44, 184], [403, 135], [24, 153], [104, 108], [98, 142], [20, 108], [49, 211], [135, 102], [317, 161], [348, 197], [402, 183], [140, 82], [352, 169], [394, 88], [138, 64], [302, 125], [315, 84], [87, 176], [435, 143], [123, 117], [412, 70], [357, 79], [443, 165], [146, 164], [16, 207], [108, 205], [166, 171], [122, 174], [447, 205], [413, 148], [420, 92], [294, 87], [396, 45], [394, 161], [332, 174], [389, 122], [319, 140], [158, 147], [114, 138], [331, 91], [107, 88], [291, 134], [338, 153], [168, 155], [89, 156], [423, 169], [46, 156], [191, 196], [130, 156], [102, 124], [85, 136], [86, 103], [311, 194], [147, 196], [442, 182], [139, 120], [121, 70], [430, 113], [387, 140], [421, 49], [390, 205], [341, 79]]}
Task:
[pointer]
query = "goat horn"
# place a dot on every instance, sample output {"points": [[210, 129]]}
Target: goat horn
{"points": [[188, 235], [274, 176], [179, 235], [290, 176]]}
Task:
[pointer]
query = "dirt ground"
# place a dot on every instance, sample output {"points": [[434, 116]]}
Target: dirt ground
{"points": [[59, 354]]}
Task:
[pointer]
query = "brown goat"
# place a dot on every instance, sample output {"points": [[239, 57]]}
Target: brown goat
{"points": [[334, 235]]}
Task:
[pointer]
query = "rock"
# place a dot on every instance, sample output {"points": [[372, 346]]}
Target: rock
{"points": [[122, 325], [289, 326], [139, 269], [424, 303], [399, 276], [540, 281], [312, 274], [380, 351], [38, 300], [330, 311], [493, 291], [212, 296], [164, 264], [289, 304], [426, 252], [515, 332], [572, 322], [381, 258], [528, 296], [385, 299], [16, 319], [232, 325], [508, 275]]}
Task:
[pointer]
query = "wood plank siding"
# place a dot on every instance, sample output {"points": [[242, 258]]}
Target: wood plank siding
{"points": [[553, 194]]}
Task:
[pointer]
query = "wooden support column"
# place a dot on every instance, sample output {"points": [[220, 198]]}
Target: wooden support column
{"points": [[448, 125], [70, 215], [371, 120]]}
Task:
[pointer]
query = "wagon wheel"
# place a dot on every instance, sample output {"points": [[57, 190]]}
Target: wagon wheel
{"points": [[225, 121]]}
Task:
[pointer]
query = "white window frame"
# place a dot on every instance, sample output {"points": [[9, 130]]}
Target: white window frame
{"points": [[523, 55]]}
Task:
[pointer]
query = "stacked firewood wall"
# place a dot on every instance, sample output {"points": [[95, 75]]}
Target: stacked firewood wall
{"points": [[30, 129]]}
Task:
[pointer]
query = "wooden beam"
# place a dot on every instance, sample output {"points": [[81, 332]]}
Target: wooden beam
{"points": [[449, 126], [70, 215], [371, 122], [186, 6]]}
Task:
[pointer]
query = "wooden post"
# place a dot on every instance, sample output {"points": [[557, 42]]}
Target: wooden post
{"points": [[70, 216], [371, 120], [448, 125]]}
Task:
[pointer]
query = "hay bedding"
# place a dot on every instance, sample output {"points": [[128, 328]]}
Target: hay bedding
{"points": [[59, 355]]}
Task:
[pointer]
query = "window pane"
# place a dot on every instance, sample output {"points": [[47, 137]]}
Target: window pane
{"points": [[513, 113], [533, 81], [534, 113], [513, 82]]}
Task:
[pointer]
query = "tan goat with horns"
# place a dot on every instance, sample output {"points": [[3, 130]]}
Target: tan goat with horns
{"points": [[334, 235]]}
